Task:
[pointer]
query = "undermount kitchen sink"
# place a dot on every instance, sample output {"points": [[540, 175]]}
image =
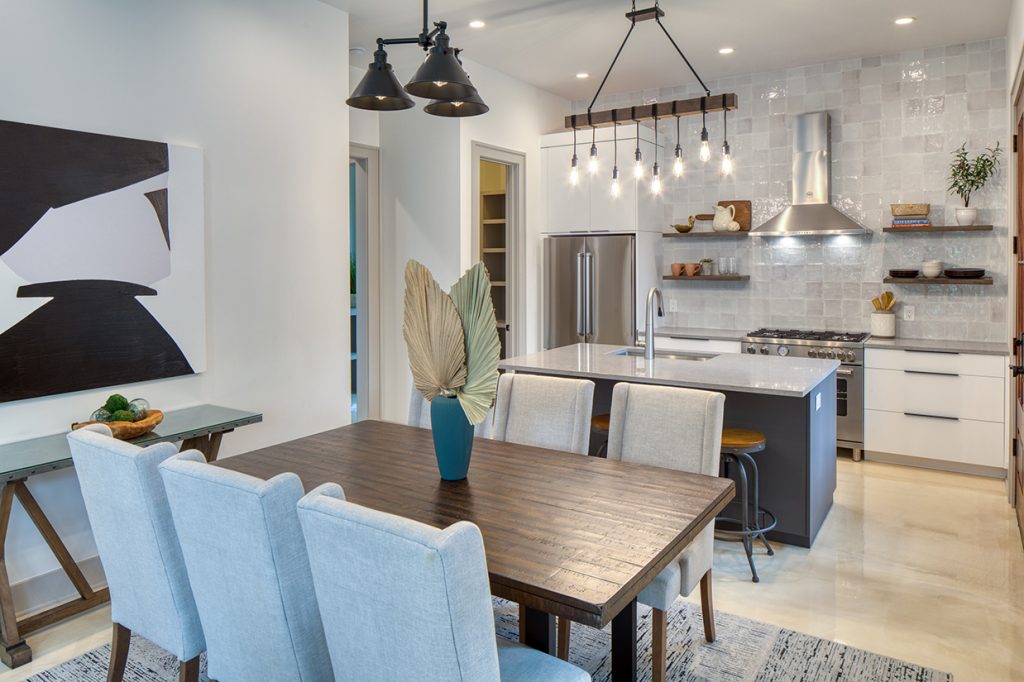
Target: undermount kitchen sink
{"points": [[664, 354]]}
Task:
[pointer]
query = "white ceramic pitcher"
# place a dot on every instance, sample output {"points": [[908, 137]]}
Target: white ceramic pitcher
{"points": [[724, 218]]}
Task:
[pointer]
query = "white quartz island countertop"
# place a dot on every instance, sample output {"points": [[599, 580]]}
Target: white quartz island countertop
{"points": [[767, 375]]}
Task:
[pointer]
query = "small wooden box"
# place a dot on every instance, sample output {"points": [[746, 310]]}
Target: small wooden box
{"points": [[901, 210]]}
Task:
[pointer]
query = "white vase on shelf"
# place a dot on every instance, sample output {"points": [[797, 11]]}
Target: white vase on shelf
{"points": [[966, 216]]}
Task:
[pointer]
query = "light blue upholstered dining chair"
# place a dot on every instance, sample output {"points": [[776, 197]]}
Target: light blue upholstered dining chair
{"points": [[546, 412], [247, 562], [401, 600], [674, 428], [131, 522], [419, 415]]}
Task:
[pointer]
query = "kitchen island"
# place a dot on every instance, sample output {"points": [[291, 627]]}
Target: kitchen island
{"points": [[792, 401]]}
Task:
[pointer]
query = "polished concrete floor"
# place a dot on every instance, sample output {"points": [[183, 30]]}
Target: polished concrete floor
{"points": [[920, 565]]}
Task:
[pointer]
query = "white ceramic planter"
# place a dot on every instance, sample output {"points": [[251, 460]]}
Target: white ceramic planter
{"points": [[966, 216]]}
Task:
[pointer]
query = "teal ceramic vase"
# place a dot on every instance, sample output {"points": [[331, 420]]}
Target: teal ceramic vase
{"points": [[453, 437]]}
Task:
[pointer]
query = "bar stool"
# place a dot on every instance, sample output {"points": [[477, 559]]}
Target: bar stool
{"points": [[737, 447], [600, 424]]}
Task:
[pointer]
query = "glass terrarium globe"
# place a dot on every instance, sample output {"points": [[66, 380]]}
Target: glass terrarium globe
{"points": [[100, 415], [138, 407]]}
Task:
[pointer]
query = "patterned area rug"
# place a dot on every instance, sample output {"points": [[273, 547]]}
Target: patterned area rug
{"points": [[745, 651]]}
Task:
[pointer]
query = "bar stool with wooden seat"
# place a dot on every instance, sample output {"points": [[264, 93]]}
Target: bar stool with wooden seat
{"points": [[599, 423], [738, 446]]}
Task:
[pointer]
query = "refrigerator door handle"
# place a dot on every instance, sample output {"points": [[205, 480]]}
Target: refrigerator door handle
{"points": [[580, 320], [588, 274]]}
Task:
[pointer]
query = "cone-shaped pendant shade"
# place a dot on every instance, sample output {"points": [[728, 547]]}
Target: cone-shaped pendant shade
{"points": [[471, 106], [440, 76], [380, 90]]}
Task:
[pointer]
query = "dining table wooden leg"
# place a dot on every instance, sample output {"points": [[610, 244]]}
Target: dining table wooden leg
{"points": [[540, 630], [624, 667]]}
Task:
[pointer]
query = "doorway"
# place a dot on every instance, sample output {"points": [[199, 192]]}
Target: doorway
{"points": [[1016, 472], [499, 237], [364, 280]]}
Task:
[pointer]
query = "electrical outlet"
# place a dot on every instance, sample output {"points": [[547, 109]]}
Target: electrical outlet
{"points": [[908, 313], [673, 305]]}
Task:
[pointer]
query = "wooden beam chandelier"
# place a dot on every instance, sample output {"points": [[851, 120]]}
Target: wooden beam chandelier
{"points": [[651, 112]]}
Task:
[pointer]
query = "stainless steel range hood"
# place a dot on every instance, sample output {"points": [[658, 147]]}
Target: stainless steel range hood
{"points": [[812, 212]]}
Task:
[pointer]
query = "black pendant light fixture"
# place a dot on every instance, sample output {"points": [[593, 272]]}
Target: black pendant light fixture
{"points": [[440, 78], [380, 90]]}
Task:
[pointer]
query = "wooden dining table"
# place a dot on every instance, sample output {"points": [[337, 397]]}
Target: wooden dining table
{"points": [[564, 534]]}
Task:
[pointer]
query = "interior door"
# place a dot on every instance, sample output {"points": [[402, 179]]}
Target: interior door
{"points": [[563, 290], [610, 285], [1017, 453]]}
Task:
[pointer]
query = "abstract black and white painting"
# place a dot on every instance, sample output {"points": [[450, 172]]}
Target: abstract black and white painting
{"points": [[101, 261]]}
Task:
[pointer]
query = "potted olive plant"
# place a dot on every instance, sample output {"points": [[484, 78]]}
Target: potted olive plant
{"points": [[967, 176], [453, 353]]}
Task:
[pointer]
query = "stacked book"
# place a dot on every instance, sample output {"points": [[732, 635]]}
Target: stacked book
{"points": [[912, 221]]}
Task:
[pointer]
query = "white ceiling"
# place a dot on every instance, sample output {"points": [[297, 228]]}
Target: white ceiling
{"points": [[546, 42]]}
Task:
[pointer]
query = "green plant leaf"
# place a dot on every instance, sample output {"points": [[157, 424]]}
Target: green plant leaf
{"points": [[472, 298], [433, 333]]}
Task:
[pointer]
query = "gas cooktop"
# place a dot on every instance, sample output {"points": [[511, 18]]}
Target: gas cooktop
{"points": [[809, 335]]}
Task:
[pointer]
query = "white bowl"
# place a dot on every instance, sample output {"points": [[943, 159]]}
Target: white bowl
{"points": [[931, 269]]}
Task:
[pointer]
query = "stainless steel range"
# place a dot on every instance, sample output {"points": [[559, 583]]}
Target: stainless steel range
{"points": [[847, 348]]}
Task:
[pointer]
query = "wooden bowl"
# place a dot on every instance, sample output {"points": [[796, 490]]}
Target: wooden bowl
{"points": [[129, 430], [682, 228]]}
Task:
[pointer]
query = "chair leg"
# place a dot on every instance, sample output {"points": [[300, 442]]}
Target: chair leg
{"points": [[118, 653], [564, 625], [188, 671], [659, 627], [706, 607]]}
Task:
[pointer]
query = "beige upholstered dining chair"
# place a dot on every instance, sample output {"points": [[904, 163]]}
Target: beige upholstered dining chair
{"points": [[545, 412], [675, 428]]}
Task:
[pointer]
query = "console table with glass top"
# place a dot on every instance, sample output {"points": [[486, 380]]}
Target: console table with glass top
{"points": [[200, 428]]}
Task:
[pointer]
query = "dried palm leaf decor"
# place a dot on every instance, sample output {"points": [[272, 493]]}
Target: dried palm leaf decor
{"points": [[453, 353]]}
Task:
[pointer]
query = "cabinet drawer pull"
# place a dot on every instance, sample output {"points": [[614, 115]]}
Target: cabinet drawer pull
{"points": [[687, 338], [930, 416], [934, 374], [932, 352]]}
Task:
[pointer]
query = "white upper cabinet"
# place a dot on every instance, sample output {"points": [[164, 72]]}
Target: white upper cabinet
{"points": [[590, 206]]}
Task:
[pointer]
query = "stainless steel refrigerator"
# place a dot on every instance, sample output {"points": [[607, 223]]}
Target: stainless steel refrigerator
{"points": [[589, 289]]}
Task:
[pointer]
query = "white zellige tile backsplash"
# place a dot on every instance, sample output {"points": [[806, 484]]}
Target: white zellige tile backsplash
{"points": [[895, 121]]}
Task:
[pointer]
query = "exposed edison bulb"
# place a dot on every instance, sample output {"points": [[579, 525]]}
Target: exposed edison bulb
{"points": [[677, 167], [592, 164], [457, 104], [727, 164], [574, 174], [638, 169], [381, 98], [440, 84], [616, 188], [705, 151], [656, 185]]}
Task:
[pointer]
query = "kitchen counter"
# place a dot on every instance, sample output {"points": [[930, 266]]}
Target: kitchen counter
{"points": [[941, 346], [792, 401], [761, 374]]}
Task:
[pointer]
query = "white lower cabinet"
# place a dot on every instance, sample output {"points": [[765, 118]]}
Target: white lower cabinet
{"points": [[695, 345], [949, 407]]}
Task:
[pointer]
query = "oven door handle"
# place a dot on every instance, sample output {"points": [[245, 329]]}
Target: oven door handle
{"points": [[844, 372]]}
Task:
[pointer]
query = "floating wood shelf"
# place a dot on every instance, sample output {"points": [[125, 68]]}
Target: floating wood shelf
{"points": [[941, 228], [708, 278], [983, 281], [706, 235], [649, 112]]}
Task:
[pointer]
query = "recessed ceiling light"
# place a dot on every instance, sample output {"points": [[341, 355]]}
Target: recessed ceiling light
{"points": [[477, 23], [582, 74], [903, 21], [726, 50]]}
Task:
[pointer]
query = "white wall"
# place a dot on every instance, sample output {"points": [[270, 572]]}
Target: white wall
{"points": [[260, 87], [427, 195]]}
